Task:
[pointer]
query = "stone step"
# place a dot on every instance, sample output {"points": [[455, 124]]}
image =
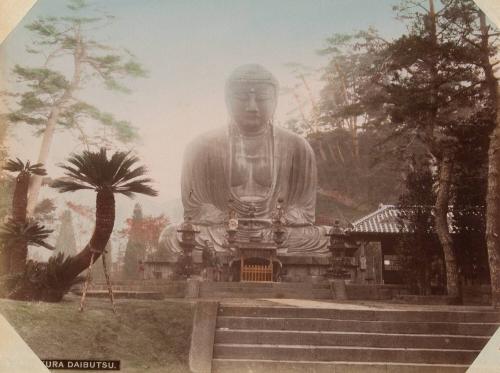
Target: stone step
{"points": [[343, 353], [239, 292], [263, 366], [265, 290], [228, 294], [383, 340], [363, 315], [321, 324], [322, 294], [256, 293], [261, 294], [259, 285], [243, 291]]}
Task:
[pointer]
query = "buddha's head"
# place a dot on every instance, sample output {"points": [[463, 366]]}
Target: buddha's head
{"points": [[251, 97]]}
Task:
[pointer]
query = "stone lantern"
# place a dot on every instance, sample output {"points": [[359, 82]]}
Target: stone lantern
{"points": [[278, 221], [232, 226], [188, 243], [337, 246]]}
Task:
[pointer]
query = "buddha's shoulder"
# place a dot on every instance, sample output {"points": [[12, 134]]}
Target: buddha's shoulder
{"points": [[292, 138]]}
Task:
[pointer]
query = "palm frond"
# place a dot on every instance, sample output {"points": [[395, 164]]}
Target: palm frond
{"points": [[43, 244], [84, 166], [14, 165], [124, 167], [37, 169], [94, 170], [19, 166], [136, 172], [76, 174], [57, 268], [31, 232], [69, 186], [42, 281], [120, 163], [137, 186]]}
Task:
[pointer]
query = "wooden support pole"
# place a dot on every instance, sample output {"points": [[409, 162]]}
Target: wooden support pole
{"points": [[87, 282], [108, 282], [89, 279]]}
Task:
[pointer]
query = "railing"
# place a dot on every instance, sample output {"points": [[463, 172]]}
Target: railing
{"points": [[256, 273]]}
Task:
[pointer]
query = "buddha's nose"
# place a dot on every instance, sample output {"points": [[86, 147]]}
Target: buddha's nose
{"points": [[252, 103]]}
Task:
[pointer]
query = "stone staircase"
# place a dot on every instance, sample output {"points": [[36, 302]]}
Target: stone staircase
{"points": [[286, 339]]}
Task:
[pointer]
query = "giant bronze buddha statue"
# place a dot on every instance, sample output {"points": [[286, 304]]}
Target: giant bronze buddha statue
{"points": [[245, 168]]}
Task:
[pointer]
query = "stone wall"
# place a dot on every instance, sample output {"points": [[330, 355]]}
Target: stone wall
{"points": [[304, 273], [159, 271]]}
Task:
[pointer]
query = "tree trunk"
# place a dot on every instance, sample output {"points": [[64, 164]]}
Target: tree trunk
{"points": [[48, 135], [445, 171], [20, 198], [352, 121], [493, 191], [18, 256], [105, 219], [355, 140], [19, 250], [442, 227], [493, 208]]}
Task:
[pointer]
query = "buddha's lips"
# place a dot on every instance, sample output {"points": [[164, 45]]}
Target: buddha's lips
{"points": [[252, 117]]}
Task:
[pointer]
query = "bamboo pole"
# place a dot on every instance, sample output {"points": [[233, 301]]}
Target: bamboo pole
{"points": [[87, 282], [108, 282]]}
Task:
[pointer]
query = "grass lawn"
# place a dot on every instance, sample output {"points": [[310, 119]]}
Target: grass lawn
{"points": [[147, 336]]}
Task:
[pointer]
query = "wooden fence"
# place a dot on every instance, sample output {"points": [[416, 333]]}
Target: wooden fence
{"points": [[257, 273]]}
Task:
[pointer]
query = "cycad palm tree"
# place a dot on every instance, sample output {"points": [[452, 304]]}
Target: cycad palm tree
{"points": [[93, 170], [18, 236], [17, 252], [46, 282], [20, 199], [31, 232]]}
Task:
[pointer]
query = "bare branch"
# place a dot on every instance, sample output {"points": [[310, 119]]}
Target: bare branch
{"points": [[94, 65], [52, 55]]}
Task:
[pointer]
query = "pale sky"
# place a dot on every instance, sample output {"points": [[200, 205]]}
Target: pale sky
{"points": [[189, 48]]}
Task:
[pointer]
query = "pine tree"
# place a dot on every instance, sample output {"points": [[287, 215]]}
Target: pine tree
{"points": [[66, 241], [420, 250], [421, 92], [349, 56], [471, 28], [50, 100]]}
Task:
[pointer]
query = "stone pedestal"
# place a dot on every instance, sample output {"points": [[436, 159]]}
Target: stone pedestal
{"points": [[339, 289], [203, 336], [192, 288]]}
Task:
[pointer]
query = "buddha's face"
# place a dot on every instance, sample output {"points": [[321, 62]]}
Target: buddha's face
{"points": [[251, 104]]}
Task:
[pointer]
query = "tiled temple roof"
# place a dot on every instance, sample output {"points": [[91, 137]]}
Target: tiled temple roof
{"points": [[384, 220], [393, 220]]}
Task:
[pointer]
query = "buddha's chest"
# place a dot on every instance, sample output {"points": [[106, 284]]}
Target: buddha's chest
{"points": [[251, 167]]}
